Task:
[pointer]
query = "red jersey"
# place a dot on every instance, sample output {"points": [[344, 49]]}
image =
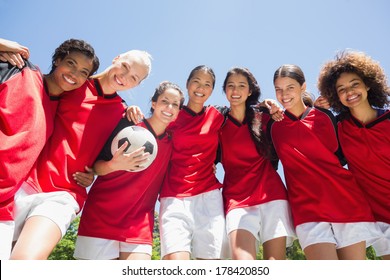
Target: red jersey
{"points": [[367, 150], [120, 205], [250, 178], [85, 119], [319, 188], [26, 122], [195, 143]]}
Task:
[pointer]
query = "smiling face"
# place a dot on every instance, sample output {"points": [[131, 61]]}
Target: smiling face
{"points": [[70, 73], [351, 90], [125, 73], [237, 90], [167, 106], [199, 88], [289, 94]]}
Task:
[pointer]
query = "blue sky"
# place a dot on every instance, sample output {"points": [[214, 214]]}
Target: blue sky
{"points": [[179, 34]]}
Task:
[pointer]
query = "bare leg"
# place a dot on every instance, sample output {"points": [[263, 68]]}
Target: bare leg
{"points": [[37, 240], [177, 256], [386, 257], [321, 251], [275, 249], [355, 251], [243, 245], [134, 256]]}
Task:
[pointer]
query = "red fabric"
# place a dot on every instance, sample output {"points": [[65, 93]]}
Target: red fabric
{"points": [[120, 205], [249, 178], [319, 188], [195, 143], [85, 119], [367, 150], [26, 122]]}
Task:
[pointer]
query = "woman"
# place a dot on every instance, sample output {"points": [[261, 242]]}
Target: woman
{"points": [[118, 217], [28, 102], [191, 218], [332, 217], [255, 198], [356, 87]]}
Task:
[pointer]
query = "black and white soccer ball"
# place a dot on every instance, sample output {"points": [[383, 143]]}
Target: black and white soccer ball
{"points": [[137, 137]]}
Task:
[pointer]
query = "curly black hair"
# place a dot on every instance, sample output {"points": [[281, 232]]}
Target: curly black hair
{"points": [[75, 45], [369, 70]]}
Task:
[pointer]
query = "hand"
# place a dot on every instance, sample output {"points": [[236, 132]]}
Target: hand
{"points": [[13, 52], [214, 168], [275, 110], [128, 161], [134, 114], [322, 102], [84, 179], [14, 59]]}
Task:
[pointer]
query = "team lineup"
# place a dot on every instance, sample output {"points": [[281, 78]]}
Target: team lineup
{"points": [[61, 133]]}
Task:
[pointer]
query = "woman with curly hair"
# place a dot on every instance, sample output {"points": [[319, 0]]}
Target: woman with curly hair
{"points": [[356, 87]]}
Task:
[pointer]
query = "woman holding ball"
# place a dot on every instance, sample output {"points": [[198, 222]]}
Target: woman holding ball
{"points": [[114, 228]]}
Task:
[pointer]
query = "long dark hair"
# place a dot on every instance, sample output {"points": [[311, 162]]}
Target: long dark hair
{"points": [[252, 100]]}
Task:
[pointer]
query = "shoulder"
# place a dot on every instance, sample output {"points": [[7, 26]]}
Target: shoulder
{"points": [[327, 113], [7, 70]]}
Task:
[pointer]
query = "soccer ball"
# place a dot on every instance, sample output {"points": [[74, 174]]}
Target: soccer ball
{"points": [[136, 137]]}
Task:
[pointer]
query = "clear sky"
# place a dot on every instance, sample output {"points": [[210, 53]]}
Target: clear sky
{"points": [[180, 34]]}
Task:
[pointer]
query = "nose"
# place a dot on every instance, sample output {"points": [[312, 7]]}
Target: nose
{"points": [[349, 90], [201, 86]]}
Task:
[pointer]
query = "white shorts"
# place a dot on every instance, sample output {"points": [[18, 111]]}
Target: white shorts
{"points": [[382, 246], [92, 248], [6, 235], [265, 221], [60, 207], [340, 234], [194, 224]]}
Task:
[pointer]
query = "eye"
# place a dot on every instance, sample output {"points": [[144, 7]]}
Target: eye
{"points": [[341, 90], [85, 73], [355, 85], [126, 66]]}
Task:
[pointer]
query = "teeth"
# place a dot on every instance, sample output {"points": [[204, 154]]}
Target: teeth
{"points": [[236, 96], [118, 81], [167, 114], [351, 98], [287, 100], [69, 80], [198, 94]]}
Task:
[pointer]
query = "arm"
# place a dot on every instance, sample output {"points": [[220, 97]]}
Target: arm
{"points": [[13, 52]]}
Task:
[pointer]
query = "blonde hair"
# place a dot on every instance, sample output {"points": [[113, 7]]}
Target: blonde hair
{"points": [[143, 56]]}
